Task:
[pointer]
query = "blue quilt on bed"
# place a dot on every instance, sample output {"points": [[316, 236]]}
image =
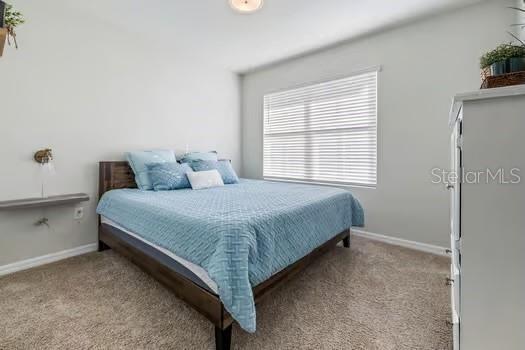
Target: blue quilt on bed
{"points": [[240, 234]]}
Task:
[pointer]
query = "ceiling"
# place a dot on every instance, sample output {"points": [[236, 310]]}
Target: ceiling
{"points": [[283, 28]]}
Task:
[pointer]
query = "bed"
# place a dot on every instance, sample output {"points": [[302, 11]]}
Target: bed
{"points": [[223, 249]]}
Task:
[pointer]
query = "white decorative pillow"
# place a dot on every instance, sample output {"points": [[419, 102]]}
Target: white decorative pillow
{"points": [[205, 179]]}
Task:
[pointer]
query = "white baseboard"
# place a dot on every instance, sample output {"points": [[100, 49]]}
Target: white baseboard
{"points": [[428, 248], [46, 259], [88, 248]]}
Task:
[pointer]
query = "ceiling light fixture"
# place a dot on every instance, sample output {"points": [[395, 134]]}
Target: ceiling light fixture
{"points": [[246, 6]]}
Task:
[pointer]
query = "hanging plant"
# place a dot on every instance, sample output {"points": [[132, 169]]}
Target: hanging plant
{"points": [[12, 20]]}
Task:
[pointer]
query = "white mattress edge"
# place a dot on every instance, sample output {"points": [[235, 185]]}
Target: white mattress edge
{"points": [[197, 270]]}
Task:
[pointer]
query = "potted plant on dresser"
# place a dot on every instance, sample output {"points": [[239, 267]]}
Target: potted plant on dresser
{"points": [[506, 58], [505, 65], [9, 20]]}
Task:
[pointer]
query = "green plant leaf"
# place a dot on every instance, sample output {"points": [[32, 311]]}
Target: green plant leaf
{"points": [[515, 37], [13, 18], [501, 53], [517, 8]]}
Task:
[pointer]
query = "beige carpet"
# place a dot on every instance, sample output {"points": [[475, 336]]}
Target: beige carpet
{"points": [[373, 296]]}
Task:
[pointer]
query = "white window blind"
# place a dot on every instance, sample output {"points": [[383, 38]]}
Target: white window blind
{"points": [[323, 133]]}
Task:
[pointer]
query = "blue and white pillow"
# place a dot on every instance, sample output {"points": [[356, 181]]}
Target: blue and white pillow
{"points": [[196, 156], [169, 176], [138, 160], [224, 167]]}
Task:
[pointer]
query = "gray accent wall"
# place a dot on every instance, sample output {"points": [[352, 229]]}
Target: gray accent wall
{"points": [[423, 65], [520, 18], [91, 90]]}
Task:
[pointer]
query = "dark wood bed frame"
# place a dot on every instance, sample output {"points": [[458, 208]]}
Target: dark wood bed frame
{"points": [[181, 281]]}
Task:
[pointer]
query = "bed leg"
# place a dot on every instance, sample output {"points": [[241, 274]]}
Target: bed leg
{"points": [[346, 241], [102, 246], [223, 338]]}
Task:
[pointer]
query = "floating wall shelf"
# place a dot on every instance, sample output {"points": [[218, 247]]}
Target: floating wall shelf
{"points": [[27, 203]]}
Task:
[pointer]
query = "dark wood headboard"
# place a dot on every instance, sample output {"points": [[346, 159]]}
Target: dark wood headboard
{"points": [[115, 175]]}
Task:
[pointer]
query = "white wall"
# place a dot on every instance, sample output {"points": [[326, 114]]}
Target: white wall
{"points": [[520, 18], [91, 91], [424, 65]]}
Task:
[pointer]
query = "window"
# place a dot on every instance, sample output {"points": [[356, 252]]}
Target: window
{"points": [[323, 133]]}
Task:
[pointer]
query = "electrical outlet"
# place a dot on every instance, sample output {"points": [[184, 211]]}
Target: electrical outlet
{"points": [[79, 213]]}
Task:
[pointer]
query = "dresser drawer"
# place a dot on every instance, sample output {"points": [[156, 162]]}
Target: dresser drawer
{"points": [[455, 252], [455, 286], [455, 334], [455, 187], [455, 211]]}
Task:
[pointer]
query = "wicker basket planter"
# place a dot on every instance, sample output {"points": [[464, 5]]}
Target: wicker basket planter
{"points": [[509, 79]]}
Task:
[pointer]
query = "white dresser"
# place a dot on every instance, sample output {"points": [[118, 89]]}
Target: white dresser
{"points": [[488, 219]]}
